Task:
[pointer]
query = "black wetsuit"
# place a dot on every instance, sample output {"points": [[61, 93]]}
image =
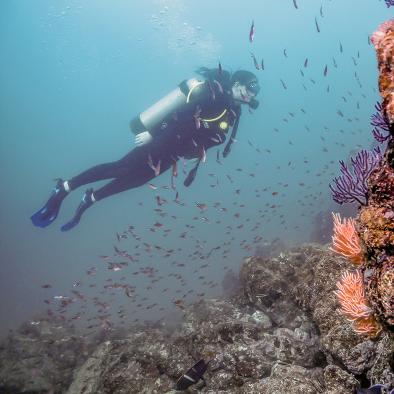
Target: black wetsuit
{"points": [[179, 135]]}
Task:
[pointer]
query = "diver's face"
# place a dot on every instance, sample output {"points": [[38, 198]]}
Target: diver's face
{"points": [[241, 93]]}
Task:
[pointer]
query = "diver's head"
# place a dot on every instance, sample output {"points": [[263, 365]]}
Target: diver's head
{"points": [[245, 87]]}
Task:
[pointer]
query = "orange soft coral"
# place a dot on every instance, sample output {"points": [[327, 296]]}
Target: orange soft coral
{"points": [[345, 240], [367, 326], [351, 297]]}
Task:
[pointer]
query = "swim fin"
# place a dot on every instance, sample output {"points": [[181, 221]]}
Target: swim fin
{"points": [[82, 207], [48, 213]]}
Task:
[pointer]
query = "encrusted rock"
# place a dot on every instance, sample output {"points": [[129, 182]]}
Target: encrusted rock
{"points": [[339, 381], [281, 333]]}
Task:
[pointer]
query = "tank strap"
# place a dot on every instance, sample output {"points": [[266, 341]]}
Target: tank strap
{"points": [[191, 90], [217, 118]]}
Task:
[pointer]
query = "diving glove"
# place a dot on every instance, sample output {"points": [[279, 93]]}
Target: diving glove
{"points": [[143, 138]]}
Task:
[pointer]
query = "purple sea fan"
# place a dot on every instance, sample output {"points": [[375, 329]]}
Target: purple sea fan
{"points": [[350, 187], [381, 124], [389, 3]]}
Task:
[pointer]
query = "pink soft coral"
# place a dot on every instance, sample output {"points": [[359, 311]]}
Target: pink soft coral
{"points": [[379, 34], [345, 240], [351, 297]]}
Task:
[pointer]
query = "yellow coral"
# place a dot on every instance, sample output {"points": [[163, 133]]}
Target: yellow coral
{"points": [[383, 40], [367, 326], [345, 240], [376, 229]]}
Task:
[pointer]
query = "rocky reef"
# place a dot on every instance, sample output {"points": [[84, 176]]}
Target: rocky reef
{"points": [[280, 332], [367, 294], [40, 356], [383, 40], [376, 218], [376, 229]]}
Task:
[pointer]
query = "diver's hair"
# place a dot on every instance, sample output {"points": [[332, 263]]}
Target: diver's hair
{"points": [[211, 74], [225, 78], [243, 77]]}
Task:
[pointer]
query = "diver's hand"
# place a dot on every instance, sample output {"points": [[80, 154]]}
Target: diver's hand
{"points": [[143, 138]]}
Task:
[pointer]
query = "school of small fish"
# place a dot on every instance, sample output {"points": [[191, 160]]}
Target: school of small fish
{"points": [[171, 247]]}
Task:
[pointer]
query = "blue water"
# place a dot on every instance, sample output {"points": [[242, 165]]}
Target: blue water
{"points": [[72, 75]]}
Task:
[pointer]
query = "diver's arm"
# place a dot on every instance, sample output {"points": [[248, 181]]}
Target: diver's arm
{"points": [[149, 120], [227, 148]]}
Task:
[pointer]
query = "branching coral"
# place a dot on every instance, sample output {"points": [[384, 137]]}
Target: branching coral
{"points": [[381, 124], [352, 185]]}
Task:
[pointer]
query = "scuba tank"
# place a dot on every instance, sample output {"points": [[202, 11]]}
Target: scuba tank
{"points": [[154, 115]]}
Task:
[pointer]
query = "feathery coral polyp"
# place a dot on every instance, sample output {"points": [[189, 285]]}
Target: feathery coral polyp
{"points": [[367, 326], [345, 240], [351, 296]]}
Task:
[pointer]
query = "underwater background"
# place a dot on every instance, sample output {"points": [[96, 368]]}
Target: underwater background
{"points": [[73, 74]]}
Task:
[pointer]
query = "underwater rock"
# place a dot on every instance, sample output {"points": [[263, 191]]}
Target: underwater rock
{"points": [[265, 283], [376, 229], [382, 369], [376, 219], [293, 379], [40, 357], [339, 381], [312, 286], [280, 333], [264, 340], [141, 363]]}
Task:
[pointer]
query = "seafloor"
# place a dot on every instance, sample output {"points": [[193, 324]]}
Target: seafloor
{"points": [[277, 330]]}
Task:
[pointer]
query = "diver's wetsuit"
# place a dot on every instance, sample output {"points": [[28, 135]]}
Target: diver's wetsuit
{"points": [[182, 134]]}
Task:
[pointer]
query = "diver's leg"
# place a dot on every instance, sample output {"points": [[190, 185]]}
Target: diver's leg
{"points": [[48, 213], [101, 172], [137, 176], [120, 185]]}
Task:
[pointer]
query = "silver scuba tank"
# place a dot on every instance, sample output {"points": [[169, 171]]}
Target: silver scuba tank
{"points": [[170, 103]]}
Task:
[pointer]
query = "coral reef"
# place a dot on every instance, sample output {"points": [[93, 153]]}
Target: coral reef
{"points": [[40, 357], [280, 332], [383, 40], [371, 289], [376, 219]]}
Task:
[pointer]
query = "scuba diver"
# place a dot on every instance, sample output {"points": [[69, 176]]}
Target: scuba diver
{"points": [[194, 117]]}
